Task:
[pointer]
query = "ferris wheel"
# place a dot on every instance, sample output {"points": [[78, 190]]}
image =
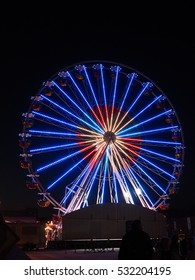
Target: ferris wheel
{"points": [[100, 132]]}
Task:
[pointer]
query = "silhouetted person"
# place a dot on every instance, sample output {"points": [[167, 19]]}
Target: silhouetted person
{"points": [[174, 247], [136, 244], [164, 249], [184, 246], [9, 250], [3, 235]]}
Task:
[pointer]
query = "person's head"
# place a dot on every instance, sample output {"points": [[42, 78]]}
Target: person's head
{"points": [[136, 224]]}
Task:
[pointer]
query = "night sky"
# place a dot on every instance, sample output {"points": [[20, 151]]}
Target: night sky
{"points": [[34, 50]]}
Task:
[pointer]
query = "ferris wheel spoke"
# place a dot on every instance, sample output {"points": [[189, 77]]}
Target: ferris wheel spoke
{"points": [[143, 122], [146, 175], [139, 113], [142, 195], [152, 142], [152, 131], [134, 184], [66, 157], [91, 183], [79, 108], [118, 171], [69, 170], [127, 90], [99, 68], [160, 156], [86, 101], [145, 162], [72, 114], [130, 158], [84, 182], [145, 86], [49, 149], [51, 134], [115, 69], [51, 120], [102, 120]]}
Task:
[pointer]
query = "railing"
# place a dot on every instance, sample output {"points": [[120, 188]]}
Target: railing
{"points": [[85, 244]]}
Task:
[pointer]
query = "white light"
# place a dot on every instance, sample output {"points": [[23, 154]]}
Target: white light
{"points": [[138, 191]]}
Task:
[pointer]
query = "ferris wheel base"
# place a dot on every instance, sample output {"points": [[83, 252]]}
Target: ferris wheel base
{"points": [[111, 221]]}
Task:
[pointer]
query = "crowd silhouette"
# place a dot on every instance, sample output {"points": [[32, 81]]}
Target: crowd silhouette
{"points": [[136, 244]]}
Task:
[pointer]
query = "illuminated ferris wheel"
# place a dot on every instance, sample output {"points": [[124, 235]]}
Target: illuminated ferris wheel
{"points": [[100, 132]]}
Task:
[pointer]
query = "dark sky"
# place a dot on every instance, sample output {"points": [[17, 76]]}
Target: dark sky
{"points": [[35, 48]]}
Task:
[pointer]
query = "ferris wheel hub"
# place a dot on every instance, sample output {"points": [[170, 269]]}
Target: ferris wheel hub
{"points": [[109, 137]]}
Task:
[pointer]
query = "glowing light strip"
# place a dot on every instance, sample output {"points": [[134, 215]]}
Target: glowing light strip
{"points": [[68, 171], [146, 150], [126, 193], [68, 112], [75, 84], [139, 186], [115, 188], [121, 167], [160, 155], [142, 91], [91, 166], [49, 149], [63, 159], [104, 180], [133, 174], [159, 142], [112, 185], [91, 183], [141, 169], [140, 112], [72, 189], [91, 132], [54, 119], [98, 128], [145, 160], [92, 90], [134, 182], [82, 174], [123, 101], [47, 133], [133, 75], [150, 131], [114, 97], [79, 90], [54, 148], [104, 93], [141, 123]]}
